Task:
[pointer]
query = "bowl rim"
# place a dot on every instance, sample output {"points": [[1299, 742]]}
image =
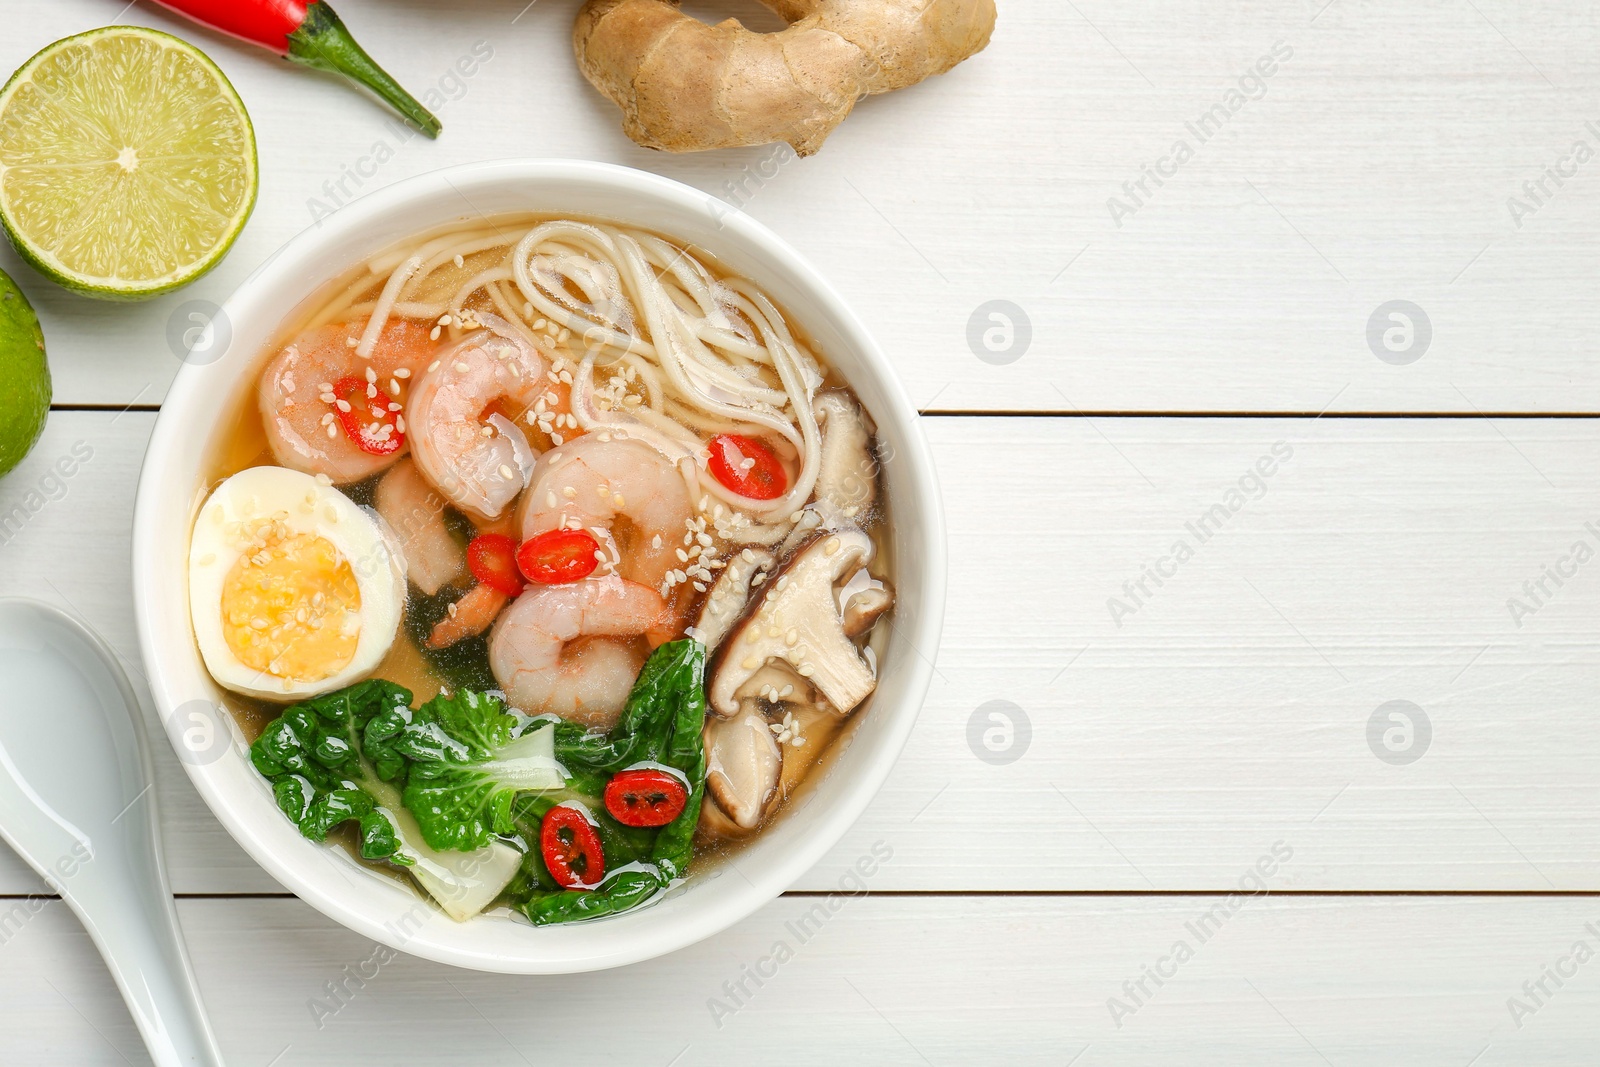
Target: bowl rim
{"points": [[754, 240]]}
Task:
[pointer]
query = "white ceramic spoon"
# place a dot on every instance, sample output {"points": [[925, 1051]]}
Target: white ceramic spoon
{"points": [[76, 802]]}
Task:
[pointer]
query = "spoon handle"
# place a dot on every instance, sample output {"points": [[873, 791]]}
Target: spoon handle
{"points": [[139, 937], [77, 802]]}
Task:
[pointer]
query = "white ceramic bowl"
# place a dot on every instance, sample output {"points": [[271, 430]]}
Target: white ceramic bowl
{"points": [[171, 487]]}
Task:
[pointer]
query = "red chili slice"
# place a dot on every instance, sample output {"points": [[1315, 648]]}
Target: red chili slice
{"points": [[645, 797], [558, 556], [748, 467], [571, 848], [492, 558], [369, 423]]}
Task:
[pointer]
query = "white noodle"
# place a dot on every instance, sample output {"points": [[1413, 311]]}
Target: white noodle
{"points": [[700, 354]]}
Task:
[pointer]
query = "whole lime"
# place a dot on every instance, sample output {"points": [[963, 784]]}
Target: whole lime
{"points": [[24, 375]]}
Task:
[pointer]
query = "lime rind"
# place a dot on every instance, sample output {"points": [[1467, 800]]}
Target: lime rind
{"points": [[68, 201]]}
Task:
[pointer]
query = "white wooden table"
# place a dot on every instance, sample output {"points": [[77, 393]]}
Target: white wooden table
{"points": [[1176, 738]]}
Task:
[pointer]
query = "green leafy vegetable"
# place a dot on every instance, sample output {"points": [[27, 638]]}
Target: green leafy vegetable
{"points": [[312, 756], [662, 724], [469, 759], [335, 759], [440, 788]]}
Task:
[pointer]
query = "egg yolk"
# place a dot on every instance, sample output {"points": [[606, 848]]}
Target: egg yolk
{"points": [[290, 605]]}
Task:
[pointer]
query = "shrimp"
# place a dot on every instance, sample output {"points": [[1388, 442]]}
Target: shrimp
{"points": [[576, 649], [589, 482], [416, 512], [472, 453], [474, 613], [297, 408]]}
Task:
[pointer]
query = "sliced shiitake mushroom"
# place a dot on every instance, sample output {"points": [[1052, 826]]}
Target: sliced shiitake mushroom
{"points": [[729, 595], [847, 469], [743, 765], [796, 618], [847, 474], [864, 608]]}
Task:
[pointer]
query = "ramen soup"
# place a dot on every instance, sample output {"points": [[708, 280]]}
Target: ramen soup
{"points": [[542, 557]]}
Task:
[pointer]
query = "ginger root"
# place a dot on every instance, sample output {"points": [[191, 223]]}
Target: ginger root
{"points": [[685, 86]]}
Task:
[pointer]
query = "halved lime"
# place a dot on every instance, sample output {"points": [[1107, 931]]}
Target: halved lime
{"points": [[127, 162]]}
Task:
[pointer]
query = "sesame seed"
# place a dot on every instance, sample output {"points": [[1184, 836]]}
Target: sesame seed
{"points": [[462, 368], [342, 405], [435, 364], [507, 473], [403, 373], [550, 499], [372, 375]]}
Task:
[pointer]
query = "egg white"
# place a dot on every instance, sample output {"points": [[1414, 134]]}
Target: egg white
{"points": [[306, 506]]}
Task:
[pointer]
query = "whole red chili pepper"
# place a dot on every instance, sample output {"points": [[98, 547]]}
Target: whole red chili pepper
{"points": [[308, 32]]}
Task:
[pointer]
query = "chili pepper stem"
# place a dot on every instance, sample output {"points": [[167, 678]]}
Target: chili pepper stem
{"points": [[321, 41]]}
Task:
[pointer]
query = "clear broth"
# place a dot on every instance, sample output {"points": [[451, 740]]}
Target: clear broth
{"points": [[243, 444]]}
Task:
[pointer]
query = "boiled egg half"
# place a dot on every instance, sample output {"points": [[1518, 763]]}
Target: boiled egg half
{"points": [[294, 589]]}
